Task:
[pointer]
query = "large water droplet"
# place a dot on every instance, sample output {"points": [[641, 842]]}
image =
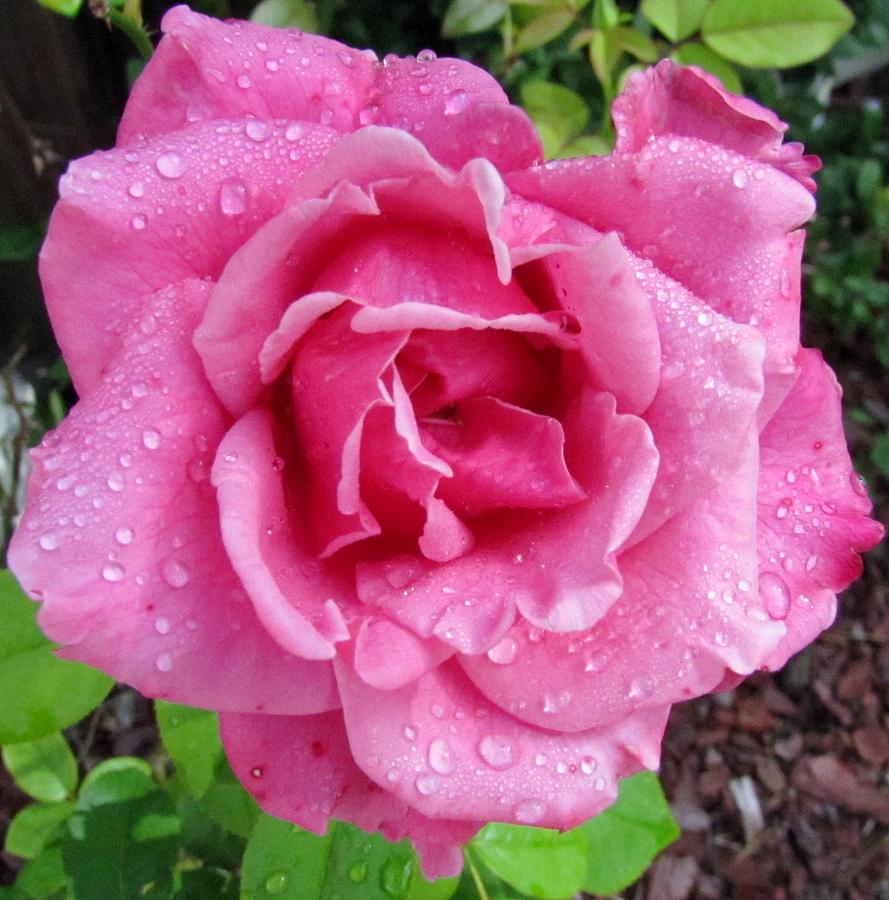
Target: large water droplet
{"points": [[175, 573], [171, 165], [775, 595], [138, 223], [739, 178], [136, 189], [497, 751], [151, 439], [124, 536], [116, 481], [257, 130], [233, 198], [504, 652], [163, 662], [588, 765], [113, 572], [441, 758], [162, 625], [396, 877], [276, 883], [358, 872], [48, 541], [427, 784]]}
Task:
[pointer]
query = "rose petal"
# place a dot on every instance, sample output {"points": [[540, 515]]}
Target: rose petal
{"points": [[258, 285], [388, 656], [502, 456], [689, 610], [300, 768], [118, 538], [441, 747], [813, 511], [142, 216], [269, 545]]}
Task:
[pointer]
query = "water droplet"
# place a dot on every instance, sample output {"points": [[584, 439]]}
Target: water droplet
{"points": [[175, 573], [151, 439], [410, 733], [811, 562], [857, 484], [163, 662], [293, 132], [704, 318], [427, 784], [739, 178], [162, 625], [276, 883], [171, 165], [599, 784], [136, 189], [529, 811], [256, 772], [358, 872], [113, 572], [116, 482], [425, 56], [277, 464], [232, 198], [124, 536], [425, 88], [243, 81], [497, 751], [441, 759], [437, 710], [641, 688], [775, 595], [257, 131], [396, 877], [272, 65], [456, 102], [48, 541], [504, 652], [588, 765], [138, 222]]}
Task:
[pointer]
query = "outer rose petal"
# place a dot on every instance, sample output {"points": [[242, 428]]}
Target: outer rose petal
{"points": [[689, 610], [269, 544], [142, 217], [388, 656], [301, 769], [441, 747], [206, 69], [119, 540], [813, 511]]}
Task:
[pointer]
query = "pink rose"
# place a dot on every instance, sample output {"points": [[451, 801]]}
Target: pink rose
{"points": [[440, 473]]}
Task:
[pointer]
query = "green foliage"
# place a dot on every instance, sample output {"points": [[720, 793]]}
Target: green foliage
{"points": [[286, 14], [68, 8], [677, 19], [293, 864], [41, 693], [774, 33], [45, 768]]}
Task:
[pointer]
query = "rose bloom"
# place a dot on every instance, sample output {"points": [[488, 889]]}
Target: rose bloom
{"points": [[439, 472]]}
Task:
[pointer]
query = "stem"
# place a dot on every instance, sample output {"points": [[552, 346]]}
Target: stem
{"points": [[133, 30]]}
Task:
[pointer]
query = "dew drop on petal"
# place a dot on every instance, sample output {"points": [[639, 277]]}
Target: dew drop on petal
{"points": [[497, 751], [163, 662], [441, 758], [171, 165], [124, 536], [113, 572], [739, 178], [529, 811], [232, 198], [427, 784], [175, 573], [151, 439], [775, 595], [48, 541], [162, 625]]}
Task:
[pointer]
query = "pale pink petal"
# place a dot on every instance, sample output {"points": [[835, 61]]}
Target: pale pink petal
{"points": [[689, 610], [388, 656], [300, 768], [502, 456], [441, 747], [120, 542], [269, 543], [710, 391], [685, 100], [335, 382], [258, 285], [141, 217], [813, 511], [444, 536], [619, 334], [207, 69], [708, 216]]}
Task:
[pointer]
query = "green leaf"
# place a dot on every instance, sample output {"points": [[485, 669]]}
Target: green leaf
{"points": [[538, 861], [775, 33], [472, 16], [35, 826], [705, 58], [41, 693], [605, 52], [123, 838], [606, 14], [637, 44], [191, 737], [880, 453], [558, 112], [292, 864], [68, 8], [111, 767], [677, 19], [587, 145], [286, 14], [45, 768], [543, 28], [44, 877], [627, 836], [20, 241]]}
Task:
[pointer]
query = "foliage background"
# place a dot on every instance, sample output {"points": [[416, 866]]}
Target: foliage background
{"points": [[134, 802]]}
